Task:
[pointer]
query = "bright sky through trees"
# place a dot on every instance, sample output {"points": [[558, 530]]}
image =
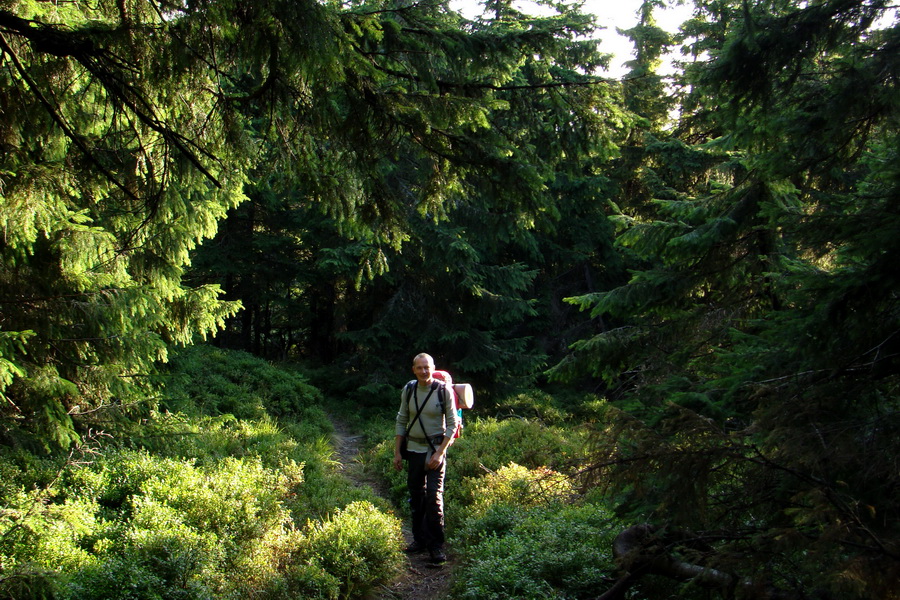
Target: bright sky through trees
{"points": [[611, 14], [623, 14]]}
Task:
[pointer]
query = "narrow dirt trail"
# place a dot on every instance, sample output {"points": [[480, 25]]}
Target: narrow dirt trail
{"points": [[420, 580]]}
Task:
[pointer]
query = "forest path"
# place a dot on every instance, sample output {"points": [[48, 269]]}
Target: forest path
{"points": [[420, 580]]}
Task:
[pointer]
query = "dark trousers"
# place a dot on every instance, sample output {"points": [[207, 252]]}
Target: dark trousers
{"points": [[426, 500]]}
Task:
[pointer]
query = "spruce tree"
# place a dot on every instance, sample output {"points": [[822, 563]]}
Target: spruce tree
{"points": [[110, 175], [753, 371], [513, 123]]}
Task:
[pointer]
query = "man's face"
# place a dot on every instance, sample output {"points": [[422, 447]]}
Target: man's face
{"points": [[423, 369]]}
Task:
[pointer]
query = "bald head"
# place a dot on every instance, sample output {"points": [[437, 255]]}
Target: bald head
{"points": [[423, 368]]}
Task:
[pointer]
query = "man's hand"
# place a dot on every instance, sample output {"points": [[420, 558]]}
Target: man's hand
{"points": [[398, 461], [436, 459], [440, 453]]}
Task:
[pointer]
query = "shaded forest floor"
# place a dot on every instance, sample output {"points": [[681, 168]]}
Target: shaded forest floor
{"points": [[420, 580]]}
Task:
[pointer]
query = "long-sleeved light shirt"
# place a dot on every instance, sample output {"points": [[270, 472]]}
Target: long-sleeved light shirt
{"points": [[432, 421]]}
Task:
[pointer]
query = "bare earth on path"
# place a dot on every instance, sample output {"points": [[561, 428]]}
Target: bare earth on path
{"points": [[420, 580]]}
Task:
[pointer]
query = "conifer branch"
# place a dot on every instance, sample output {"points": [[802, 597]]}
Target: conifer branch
{"points": [[445, 85], [50, 40], [394, 10], [58, 118], [828, 489]]}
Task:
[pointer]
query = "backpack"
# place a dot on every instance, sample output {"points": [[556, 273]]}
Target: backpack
{"points": [[461, 395]]}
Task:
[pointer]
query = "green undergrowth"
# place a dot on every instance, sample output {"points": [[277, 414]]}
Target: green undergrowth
{"points": [[537, 551], [517, 519], [229, 490]]}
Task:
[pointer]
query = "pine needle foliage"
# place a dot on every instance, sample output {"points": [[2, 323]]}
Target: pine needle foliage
{"points": [[130, 129], [105, 189], [752, 364], [487, 145]]}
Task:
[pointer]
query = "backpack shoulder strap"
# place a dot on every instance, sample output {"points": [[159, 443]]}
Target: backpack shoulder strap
{"points": [[441, 390]]}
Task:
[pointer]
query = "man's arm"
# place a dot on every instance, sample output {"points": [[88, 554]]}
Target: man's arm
{"points": [[398, 458], [400, 426]]}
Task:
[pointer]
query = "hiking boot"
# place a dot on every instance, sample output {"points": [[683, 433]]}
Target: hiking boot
{"points": [[437, 555], [415, 548]]}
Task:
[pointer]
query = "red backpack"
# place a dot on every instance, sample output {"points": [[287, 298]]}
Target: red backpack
{"points": [[461, 395]]}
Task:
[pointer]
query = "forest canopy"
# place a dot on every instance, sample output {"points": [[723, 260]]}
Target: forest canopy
{"points": [[345, 183], [132, 129]]}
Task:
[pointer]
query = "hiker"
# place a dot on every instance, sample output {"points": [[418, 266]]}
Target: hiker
{"points": [[426, 423]]}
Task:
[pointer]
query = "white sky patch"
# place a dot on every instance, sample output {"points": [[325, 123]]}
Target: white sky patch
{"points": [[611, 14]]}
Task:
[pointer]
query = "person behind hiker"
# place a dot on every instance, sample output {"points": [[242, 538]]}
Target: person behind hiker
{"points": [[428, 436]]}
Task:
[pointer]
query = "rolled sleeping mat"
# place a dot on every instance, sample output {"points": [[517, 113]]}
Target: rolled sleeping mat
{"points": [[465, 396]]}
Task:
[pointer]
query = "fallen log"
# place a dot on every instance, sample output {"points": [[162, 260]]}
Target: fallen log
{"points": [[644, 549]]}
